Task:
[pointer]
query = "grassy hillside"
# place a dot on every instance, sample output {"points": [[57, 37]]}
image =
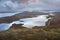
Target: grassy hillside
{"points": [[36, 33]]}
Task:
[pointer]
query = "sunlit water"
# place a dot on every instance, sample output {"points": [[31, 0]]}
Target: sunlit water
{"points": [[8, 14], [27, 22]]}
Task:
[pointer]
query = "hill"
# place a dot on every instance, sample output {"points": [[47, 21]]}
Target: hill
{"points": [[18, 16]]}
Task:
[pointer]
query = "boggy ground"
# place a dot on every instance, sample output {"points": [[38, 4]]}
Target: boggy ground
{"points": [[17, 32]]}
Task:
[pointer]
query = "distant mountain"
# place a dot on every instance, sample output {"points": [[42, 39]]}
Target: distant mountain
{"points": [[20, 16], [55, 21], [7, 11]]}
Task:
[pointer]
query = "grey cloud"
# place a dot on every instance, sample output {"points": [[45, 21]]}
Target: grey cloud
{"points": [[41, 5]]}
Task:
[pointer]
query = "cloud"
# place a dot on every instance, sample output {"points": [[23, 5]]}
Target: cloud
{"points": [[18, 5]]}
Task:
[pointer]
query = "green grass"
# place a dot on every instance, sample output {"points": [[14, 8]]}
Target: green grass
{"points": [[37, 33]]}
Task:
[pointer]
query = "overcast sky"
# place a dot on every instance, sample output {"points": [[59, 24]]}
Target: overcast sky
{"points": [[29, 5]]}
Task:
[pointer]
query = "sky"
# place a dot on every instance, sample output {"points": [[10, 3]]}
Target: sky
{"points": [[29, 5]]}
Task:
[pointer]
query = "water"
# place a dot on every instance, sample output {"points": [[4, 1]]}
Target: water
{"points": [[27, 22], [35, 21], [4, 26], [6, 14]]}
